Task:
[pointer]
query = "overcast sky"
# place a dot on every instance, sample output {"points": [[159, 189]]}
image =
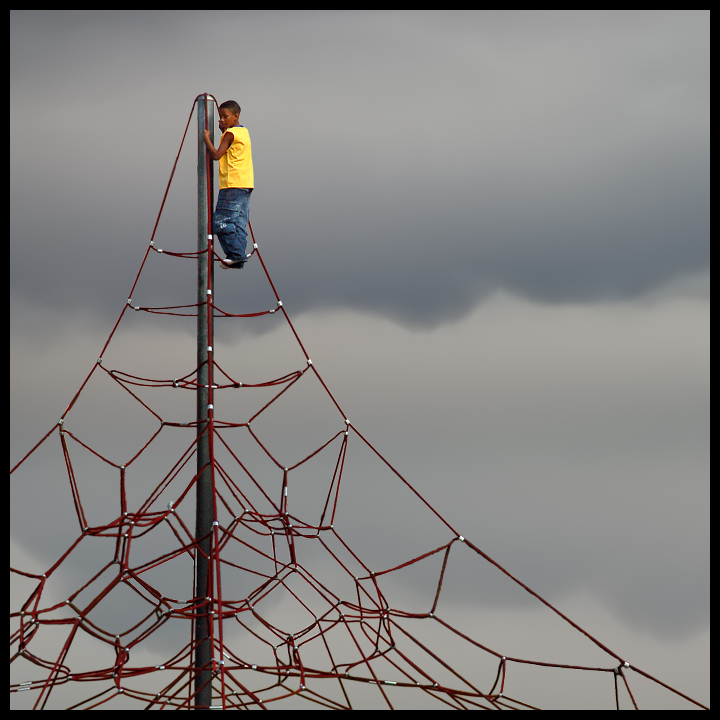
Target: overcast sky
{"points": [[490, 229]]}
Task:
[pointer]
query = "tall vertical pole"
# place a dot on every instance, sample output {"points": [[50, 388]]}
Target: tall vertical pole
{"points": [[204, 517]]}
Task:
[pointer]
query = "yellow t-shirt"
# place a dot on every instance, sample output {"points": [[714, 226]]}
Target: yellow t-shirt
{"points": [[236, 168]]}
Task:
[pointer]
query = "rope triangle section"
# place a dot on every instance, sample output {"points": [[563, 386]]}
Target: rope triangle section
{"points": [[322, 579]]}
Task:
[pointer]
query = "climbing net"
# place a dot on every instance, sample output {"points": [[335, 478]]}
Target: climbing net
{"points": [[303, 607]]}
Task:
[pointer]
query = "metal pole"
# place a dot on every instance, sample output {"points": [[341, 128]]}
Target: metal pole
{"points": [[204, 517]]}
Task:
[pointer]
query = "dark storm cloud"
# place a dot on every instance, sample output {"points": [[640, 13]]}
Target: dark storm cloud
{"points": [[407, 163]]}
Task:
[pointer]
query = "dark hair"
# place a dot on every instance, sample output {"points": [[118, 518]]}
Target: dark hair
{"points": [[232, 106]]}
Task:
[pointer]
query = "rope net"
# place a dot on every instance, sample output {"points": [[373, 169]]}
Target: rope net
{"points": [[306, 605]]}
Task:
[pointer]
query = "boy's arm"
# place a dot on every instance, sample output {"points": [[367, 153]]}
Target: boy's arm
{"points": [[225, 143]]}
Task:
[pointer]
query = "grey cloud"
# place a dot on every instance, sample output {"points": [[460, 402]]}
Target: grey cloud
{"points": [[407, 163], [419, 167]]}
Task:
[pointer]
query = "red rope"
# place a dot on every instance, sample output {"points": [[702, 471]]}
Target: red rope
{"points": [[349, 638]]}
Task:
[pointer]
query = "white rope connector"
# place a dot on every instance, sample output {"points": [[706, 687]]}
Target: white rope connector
{"points": [[280, 303], [209, 348], [99, 361], [210, 407], [347, 422], [210, 237], [209, 292], [309, 362], [461, 538]]}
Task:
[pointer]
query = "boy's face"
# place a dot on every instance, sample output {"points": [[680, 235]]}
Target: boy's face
{"points": [[227, 119]]}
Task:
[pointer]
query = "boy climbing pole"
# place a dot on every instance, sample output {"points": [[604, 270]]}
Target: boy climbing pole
{"points": [[236, 185]]}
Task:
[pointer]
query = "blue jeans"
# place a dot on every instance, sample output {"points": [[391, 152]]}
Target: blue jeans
{"points": [[230, 221]]}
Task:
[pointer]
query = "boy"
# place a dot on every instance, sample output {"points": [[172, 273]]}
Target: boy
{"points": [[236, 185]]}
